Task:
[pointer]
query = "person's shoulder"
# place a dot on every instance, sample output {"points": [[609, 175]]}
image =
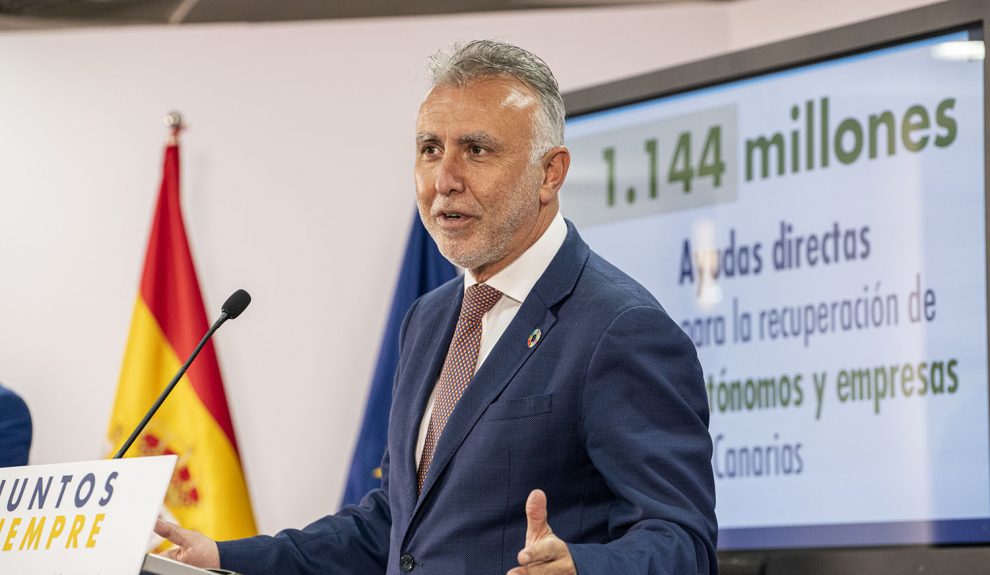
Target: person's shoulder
{"points": [[10, 402], [613, 289], [599, 285], [610, 302], [443, 294], [436, 300]]}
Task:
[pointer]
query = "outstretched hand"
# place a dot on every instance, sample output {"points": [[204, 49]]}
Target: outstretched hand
{"points": [[191, 547], [545, 553]]}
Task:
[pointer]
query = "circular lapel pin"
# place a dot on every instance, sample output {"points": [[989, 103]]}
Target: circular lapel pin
{"points": [[534, 338]]}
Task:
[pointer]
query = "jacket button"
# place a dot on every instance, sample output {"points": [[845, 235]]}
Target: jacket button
{"points": [[407, 563]]}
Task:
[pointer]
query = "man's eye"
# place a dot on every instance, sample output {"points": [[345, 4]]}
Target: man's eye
{"points": [[430, 149], [476, 149]]}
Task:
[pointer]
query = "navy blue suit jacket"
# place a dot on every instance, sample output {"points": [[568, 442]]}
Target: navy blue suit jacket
{"points": [[15, 429], [607, 414]]}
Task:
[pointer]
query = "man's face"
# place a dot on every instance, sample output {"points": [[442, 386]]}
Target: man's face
{"points": [[477, 191]]}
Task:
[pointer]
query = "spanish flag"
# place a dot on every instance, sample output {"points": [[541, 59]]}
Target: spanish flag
{"points": [[208, 492]]}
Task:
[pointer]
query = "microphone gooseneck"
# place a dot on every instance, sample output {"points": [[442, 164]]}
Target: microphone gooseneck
{"points": [[232, 308]]}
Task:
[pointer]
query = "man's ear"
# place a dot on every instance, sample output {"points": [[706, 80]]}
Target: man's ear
{"points": [[555, 165]]}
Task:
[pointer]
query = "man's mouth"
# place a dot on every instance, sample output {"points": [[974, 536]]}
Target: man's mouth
{"points": [[451, 221]]}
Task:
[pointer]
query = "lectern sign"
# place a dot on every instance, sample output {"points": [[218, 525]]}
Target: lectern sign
{"points": [[80, 518]]}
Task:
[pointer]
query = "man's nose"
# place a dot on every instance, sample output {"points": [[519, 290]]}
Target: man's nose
{"points": [[450, 175]]}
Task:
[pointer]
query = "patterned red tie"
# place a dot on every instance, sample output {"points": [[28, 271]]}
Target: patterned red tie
{"points": [[458, 368]]}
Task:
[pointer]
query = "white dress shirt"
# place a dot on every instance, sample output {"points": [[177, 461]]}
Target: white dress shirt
{"points": [[515, 282]]}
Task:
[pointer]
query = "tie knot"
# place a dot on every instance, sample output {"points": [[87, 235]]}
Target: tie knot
{"points": [[478, 299]]}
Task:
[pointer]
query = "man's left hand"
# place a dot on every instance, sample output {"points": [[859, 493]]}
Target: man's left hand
{"points": [[545, 553]]}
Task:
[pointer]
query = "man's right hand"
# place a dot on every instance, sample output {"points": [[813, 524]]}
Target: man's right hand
{"points": [[191, 547]]}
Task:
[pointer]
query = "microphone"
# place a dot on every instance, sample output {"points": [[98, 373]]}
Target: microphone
{"points": [[233, 307]]}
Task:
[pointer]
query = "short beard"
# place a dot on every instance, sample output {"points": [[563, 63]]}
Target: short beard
{"points": [[498, 247]]}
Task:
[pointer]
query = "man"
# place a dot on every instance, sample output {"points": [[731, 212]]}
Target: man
{"points": [[544, 388], [15, 429]]}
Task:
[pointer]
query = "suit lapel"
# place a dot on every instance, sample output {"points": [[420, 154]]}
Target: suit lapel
{"points": [[510, 352]]}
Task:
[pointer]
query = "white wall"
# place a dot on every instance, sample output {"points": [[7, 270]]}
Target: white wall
{"points": [[297, 186]]}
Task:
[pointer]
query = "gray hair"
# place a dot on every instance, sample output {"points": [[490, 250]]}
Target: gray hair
{"points": [[489, 58]]}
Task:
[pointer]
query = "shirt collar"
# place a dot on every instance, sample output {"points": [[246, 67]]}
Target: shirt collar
{"points": [[519, 277]]}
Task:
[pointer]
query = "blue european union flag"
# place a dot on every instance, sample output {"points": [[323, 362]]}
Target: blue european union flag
{"points": [[423, 269]]}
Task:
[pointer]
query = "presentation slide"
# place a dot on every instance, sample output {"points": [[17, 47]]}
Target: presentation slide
{"points": [[820, 233]]}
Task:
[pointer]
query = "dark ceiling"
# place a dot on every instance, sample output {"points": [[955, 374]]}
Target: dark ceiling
{"points": [[34, 13]]}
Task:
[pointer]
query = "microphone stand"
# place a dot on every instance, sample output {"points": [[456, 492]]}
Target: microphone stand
{"points": [[224, 316]]}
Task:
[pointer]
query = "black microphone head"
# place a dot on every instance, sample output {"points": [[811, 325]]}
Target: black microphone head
{"points": [[236, 303]]}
